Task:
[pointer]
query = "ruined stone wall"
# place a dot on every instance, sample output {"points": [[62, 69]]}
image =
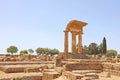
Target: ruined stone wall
{"points": [[112, 68], [83, 65]]}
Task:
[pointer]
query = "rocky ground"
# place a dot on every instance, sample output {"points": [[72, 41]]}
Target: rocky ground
{"points": [[100, 78], [36, 74]]}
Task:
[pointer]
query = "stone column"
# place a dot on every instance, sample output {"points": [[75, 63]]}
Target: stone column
{"points": [[79, 43], [66, 43], [73, 43]]}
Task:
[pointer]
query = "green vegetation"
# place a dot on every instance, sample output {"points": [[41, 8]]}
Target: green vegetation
{"points": [[93, 49], [118, 56], [54, 52], [104, 47], [12, 49], [40, 51], [111, 53], [23, 52], [47, 51], [31, 51]]}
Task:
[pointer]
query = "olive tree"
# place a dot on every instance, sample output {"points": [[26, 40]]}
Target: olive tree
{"points": [[12, 49]]}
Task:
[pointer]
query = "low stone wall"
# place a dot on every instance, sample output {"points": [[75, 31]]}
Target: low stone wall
{"points": [[12, 69], [83, 65], [26, 62], [112, 68], [22, 68], [27, 70], [50, 75], [22, 76], [74, 76]]}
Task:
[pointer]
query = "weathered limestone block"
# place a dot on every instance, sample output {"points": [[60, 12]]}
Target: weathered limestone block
{"points": [[1, 59], [58, 62], [42, 68], [49, 70], [108, 65], [8, 55], [83, 66], [21, 76], [13, 59], [32, 78], [5, 79], [105, 74], [50, 75], [59, 69], [61, 55], [43, 57], [12, 69], [25, 56], [86, 71], [33, 59], [116, 67], [88, 78], [94, 75], [50, 66], [72, 76], [115, 72], [27, 70], [7, 59]]}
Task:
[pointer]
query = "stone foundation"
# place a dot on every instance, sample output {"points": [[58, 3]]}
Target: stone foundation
{"points": [[22, 76], [93, 65], [77, 56], [112, 68], [50, 75]]}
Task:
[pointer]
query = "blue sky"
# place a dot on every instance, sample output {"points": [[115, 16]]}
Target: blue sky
{"points": [[40, 23]]}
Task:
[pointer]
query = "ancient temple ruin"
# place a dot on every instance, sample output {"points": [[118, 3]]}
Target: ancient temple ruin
{"points": [[75, 27]]}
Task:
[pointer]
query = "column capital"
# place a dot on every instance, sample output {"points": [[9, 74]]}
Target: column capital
{"points": [[74, 32], [65, 31]]}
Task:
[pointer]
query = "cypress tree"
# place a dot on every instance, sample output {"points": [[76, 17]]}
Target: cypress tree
{"points": [[104, 46]]}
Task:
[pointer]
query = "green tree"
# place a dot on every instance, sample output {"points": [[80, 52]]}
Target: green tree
{"points": [[111, 53], [118, 56], [12, 49], [40, 51], [31, 51], [85, 49], [104, 47], [54, 52], [100, 48], [23, 52], [46, 51], [93, 49]]}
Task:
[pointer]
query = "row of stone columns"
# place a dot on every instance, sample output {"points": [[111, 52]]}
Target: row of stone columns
{"points": [[73, 42]]}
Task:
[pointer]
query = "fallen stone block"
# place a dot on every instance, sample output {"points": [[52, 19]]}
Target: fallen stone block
{"points": [[27, 70], [59, 69], [93, 75], [105, 74], [50, 75], [72, 76]]}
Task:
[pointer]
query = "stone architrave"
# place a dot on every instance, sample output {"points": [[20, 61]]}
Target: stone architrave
{"points": [[76, 28]]}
